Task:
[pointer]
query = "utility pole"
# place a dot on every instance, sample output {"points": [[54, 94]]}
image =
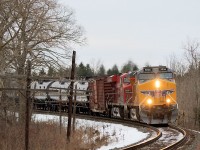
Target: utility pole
{"points": [[74, 109], [28, 99], [60, 99], [70, 97]]}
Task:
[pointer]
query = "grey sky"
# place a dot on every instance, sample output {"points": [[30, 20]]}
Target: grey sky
{"points": [[138, 30]]}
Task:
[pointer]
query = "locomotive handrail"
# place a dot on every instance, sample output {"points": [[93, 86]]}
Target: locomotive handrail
{"points": [[171, 98], [129, 99]]}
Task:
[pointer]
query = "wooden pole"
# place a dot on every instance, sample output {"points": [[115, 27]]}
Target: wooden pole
{"points": [[70, 97], [74, 110], [60, 98], [28, 99]]}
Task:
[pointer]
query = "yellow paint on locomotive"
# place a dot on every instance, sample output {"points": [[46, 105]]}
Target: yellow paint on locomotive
{"points": [[157, 91]]}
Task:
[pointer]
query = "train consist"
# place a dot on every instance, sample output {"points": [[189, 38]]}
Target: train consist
{"points": [[56, 95], [148, 95]]}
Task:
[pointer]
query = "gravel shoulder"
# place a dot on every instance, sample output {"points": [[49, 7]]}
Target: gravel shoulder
{"points": [[193, 142]]}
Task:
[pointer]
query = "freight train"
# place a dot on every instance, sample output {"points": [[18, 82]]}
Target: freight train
{"points": [[56, 95], [148, 95]]}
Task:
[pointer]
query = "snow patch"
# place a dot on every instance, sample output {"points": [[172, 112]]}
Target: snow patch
{"points": [[119, 135], [168, 136]]}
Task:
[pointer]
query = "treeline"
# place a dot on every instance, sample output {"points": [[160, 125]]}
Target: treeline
{"points": [[188, 85], [41, 31], [86, 70]]}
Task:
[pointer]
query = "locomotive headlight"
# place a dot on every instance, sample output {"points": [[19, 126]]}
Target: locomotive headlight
{"points": [[168, 100], [149, 101], [157, 84]]}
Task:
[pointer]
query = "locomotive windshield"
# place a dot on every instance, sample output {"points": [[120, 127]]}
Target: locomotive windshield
{"points": [[146, 76], [167, 75]]}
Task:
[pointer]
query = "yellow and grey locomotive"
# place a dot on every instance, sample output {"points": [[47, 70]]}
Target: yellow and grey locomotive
{"points": [[154, 95]]}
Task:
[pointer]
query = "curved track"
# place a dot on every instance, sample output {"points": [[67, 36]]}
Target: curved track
{"points": [[170, 137], [146, 142], [179, 142]]}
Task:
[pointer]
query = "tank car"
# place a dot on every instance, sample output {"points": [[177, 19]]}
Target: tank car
{"points": [[40, 97], [62, 88], [58, 91], [82, 99], [155, 95]]}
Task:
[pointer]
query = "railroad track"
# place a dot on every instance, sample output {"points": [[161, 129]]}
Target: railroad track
{"points": [[166, 138], [172, 137], [179, 142]]}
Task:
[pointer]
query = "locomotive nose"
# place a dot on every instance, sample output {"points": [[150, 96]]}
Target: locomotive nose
{"points": [[168, 101], [157, 84], [149, 101]]}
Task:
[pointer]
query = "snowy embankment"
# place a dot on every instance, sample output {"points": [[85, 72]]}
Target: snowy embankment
{"points": [[119, 135]]}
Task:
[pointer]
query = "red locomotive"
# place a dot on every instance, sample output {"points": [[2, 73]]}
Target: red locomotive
{"points": [[111, 95]]}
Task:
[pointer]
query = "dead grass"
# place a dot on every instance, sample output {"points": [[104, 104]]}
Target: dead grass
{"points": [[47, 136]]}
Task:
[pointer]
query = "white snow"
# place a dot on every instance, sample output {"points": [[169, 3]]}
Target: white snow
{"points": [[194, 130], [120, 135], [168, 136]]}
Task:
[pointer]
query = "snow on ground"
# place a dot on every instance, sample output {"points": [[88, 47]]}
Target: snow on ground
{"points": [[194, 130], [120, 135], [168, 136]]}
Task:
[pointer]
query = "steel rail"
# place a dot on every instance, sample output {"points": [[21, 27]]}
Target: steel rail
{"points": [[143, 143], [180, 142], [132, 123]]}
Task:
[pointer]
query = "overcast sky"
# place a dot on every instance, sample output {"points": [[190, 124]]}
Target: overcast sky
{"points": [[138, 30]]}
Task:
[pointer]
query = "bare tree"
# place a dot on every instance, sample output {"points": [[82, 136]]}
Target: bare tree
{"points": [[95, 65], [39, 30], [192, 53], [177, 65], [6, 22], [188, 89]]}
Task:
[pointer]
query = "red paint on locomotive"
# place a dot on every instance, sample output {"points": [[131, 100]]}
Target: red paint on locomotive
{"points": [[111, 90]]}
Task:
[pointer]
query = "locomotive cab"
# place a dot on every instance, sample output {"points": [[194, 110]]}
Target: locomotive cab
{"points": [[156, 95]]}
